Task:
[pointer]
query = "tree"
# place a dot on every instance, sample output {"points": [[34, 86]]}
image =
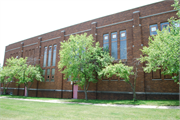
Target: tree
{"points": [[163, 51], [81, 60], [24, 73], [6, 77], [123, 71]]}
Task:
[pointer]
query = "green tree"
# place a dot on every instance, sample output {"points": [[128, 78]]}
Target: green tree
{"points": [[6, 77], [24, 73], [81, 60], [163, 51]]}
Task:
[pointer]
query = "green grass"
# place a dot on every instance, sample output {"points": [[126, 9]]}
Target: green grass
{"points": [[11, 109], [127, 102]]}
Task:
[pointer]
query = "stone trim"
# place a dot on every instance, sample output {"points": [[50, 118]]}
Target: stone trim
{"points": [[78, 32], [13, 49], [114, 23], [157, 14], [50, 39], [31, 44], [156, 79]]}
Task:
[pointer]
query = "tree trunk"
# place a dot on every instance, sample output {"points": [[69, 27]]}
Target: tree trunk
{"points": [[134, 95], [85, 92], [86, 86], [26, 90], [4, 90]]}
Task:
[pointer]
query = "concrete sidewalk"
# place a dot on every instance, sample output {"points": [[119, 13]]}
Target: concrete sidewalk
{"points": [[113, 105]]}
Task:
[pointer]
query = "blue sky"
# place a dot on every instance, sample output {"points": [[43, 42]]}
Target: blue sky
{"points": [[22, 19]]}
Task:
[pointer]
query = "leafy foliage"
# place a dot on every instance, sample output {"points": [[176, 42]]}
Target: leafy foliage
{"points": [[163, 51], [119, 70]]}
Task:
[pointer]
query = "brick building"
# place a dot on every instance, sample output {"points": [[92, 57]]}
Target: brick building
{"points": [[124, 33]]}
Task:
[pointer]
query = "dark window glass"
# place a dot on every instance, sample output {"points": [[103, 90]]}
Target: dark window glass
{"points": [[54, 55], [48, 74], [114, 45], [52, 75], [123, 45], [153, 29], [45, 56], [164, 25], [49, 56], [106, 42]]}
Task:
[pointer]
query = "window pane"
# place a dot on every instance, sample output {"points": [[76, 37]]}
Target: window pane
{"points": [[48, 71], [123, 50], [69, 78], [106, 47], [123, 35], [106, 42], [45, 56], [54, 55], [52, 80], [49, 56], [123, 46], [44, 72], [114, 45], [164, 25], [53, 71], [153, 29], [114, 49]]}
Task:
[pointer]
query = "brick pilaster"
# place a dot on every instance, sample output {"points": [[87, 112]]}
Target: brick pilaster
{"points": [[137, 45], [38, 61], [94, 31], [21, 49], [61, 75]]}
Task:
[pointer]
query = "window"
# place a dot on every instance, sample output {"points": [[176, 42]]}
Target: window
{"points": [[48, 73], [45, 56], [177, 24], [52, 74], [69, 78], [44, 71], [156, 75], [49, 56], [123, 45], [54, 55], [106, 42], [114, 45], [153, 29], [164, 25]]}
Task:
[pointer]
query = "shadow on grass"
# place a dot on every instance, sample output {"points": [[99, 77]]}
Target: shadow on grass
{"points": [[120, 102]]}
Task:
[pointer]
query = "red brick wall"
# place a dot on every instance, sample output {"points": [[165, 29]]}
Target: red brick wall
{"points": [[137, 35]]}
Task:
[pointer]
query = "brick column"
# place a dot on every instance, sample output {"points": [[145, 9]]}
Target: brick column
{"points": [[93, 30], [21, 55], [61, 75], [21, 49], [38, 54], [39, 50], [94, 33], [137, 44]]}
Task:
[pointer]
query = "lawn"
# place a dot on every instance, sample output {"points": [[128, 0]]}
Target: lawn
{"points": [[127, 102], [26, 110]]}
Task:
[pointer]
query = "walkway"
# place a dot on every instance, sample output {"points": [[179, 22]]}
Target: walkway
{"points": [[113, 105]]}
